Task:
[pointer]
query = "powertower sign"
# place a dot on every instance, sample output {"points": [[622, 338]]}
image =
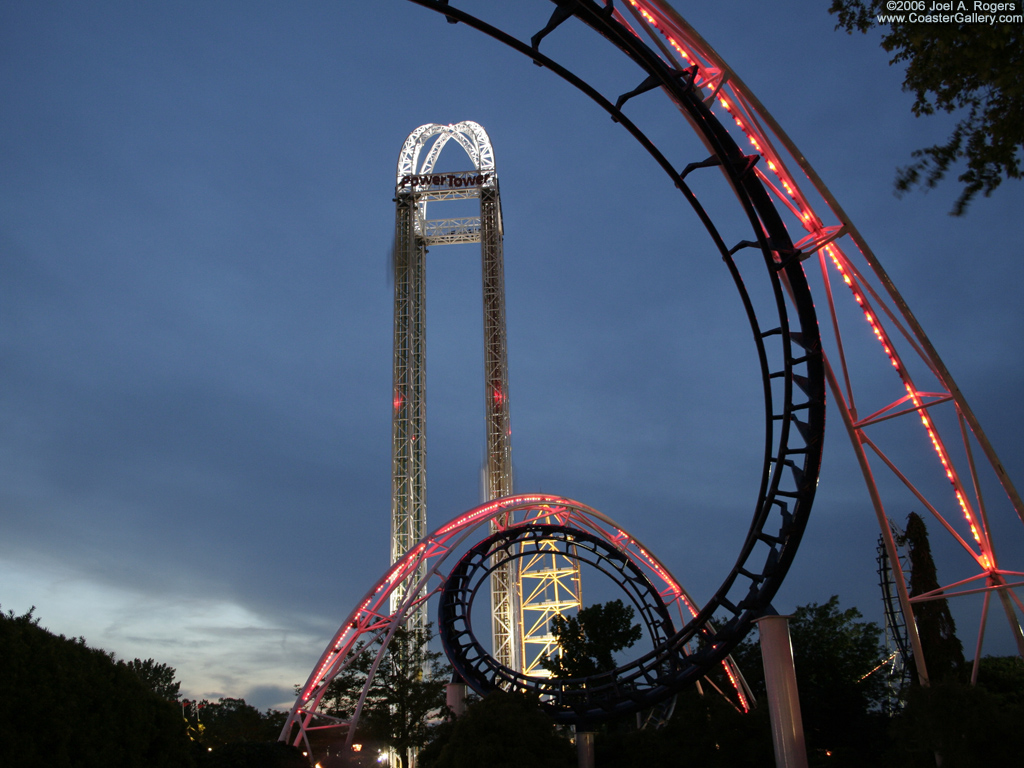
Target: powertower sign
{"points": [[444, 180]]}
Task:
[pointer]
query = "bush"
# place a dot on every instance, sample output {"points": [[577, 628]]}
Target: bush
{"points": [[503, 730], [65, 704]]}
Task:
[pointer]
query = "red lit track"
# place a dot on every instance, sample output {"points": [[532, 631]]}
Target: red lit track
{"points": [[767, 273], [924, 402], [369, 627], [925, 393]]}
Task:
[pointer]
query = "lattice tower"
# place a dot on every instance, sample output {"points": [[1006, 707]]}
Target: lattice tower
{"points": [[417, 185]]}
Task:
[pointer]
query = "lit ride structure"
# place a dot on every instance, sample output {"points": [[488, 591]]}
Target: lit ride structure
{"points": [[767, 271], [456, 560], [954, 461], [676, 60], [525, 594], [924, 405]]}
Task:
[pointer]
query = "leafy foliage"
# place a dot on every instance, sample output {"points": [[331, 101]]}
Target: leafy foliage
{"points": [[971, 69], [231, 721], [159, 678], [502, 730], [967, 726], [1003, 676], [406, 694], [589, 640], [63, 703], [705, 728], [834, 654]]}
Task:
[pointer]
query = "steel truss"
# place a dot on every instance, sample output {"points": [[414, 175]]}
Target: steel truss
{"points": [[779, 309], [417, 184], [925, 397], [577, 701], [925, 403], [791, 366], [549, 586], [408, 444]]}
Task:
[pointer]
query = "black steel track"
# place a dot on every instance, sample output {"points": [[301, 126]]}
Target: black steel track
{"points": [[789, 355]]}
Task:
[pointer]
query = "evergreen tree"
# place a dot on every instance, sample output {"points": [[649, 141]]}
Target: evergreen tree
{"points": [[943, 653], [406, 695]]}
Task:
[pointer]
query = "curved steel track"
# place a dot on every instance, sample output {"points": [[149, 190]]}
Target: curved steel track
{"points": [[789, 358]]}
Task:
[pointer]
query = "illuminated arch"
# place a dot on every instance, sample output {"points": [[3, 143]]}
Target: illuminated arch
{"points": [[470, 135], [370, 626]]}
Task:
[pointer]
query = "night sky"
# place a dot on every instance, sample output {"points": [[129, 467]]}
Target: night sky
{"points": [[195, 310]]}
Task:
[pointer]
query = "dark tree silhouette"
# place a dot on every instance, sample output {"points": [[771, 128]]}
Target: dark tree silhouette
{"points": [[589, 640], [943, 652], [63, 703], [230, 721], [400, 705], [971, 69], [158, 677], [967, 726], [503, 730], [706, 728]]}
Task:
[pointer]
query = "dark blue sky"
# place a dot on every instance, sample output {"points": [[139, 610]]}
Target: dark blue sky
{"points": [[195, 315]]}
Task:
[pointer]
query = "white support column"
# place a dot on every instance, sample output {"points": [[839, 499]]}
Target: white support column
{"points": [[585, 749], [455, 698], [783, 699]]}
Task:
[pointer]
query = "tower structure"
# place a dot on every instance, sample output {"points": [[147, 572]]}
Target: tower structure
{"points": [[416, 186]]}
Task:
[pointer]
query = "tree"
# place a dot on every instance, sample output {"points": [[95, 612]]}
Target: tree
{"points": [[966, 725], [159, 678], [588, 641], [971, 68], [63, 703], [502, 730], [1003, 676], [704, 727], [943, 652], [834, 654], [230, 721], [406, 694]]}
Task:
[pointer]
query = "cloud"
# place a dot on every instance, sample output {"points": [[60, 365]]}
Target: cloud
{"points": [[219, 648]]}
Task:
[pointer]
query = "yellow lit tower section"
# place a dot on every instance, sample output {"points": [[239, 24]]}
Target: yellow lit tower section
{"points": [[524, 598]]}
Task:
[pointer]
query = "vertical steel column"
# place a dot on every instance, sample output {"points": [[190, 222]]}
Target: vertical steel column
{"points": [[555, 579], [408, 435], [504, 581], [783, 699], [585, 749], [499, 433]]}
